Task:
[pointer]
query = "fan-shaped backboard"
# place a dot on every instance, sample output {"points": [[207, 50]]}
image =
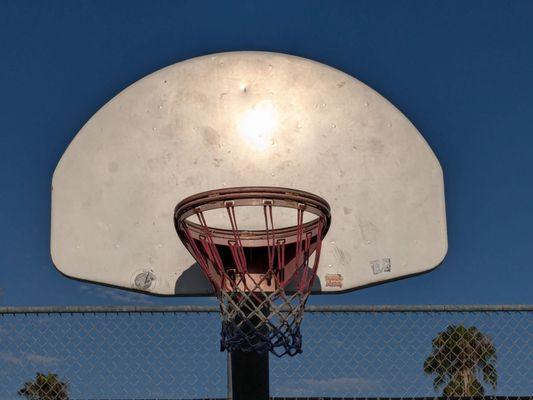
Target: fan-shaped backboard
{"points": [[245, 119]]}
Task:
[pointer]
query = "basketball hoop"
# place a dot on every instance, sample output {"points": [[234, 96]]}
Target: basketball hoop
{"points": [[261, 276]]}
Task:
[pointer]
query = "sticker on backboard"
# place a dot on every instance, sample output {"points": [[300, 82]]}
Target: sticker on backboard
{"points": [[144, 280], [334, 280], [379, 266]]}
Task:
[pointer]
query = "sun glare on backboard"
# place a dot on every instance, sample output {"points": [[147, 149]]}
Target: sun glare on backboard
{"points": [[257, 125]]}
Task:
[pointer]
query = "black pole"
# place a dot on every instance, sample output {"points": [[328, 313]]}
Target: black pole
{"points": [[249, 375]]}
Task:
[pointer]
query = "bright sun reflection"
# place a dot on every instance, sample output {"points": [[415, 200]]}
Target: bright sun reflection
{"points": [[257, 125]]}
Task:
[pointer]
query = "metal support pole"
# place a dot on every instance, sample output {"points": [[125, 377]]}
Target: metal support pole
{"points": [[249, 376], [249, 372]]}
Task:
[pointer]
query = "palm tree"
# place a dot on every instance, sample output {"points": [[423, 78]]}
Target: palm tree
{"points": [[44, 387], [460, 357]]}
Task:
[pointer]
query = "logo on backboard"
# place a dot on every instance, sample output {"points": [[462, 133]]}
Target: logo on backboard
{"points": [[334, 280], [379, 266], [144, 280]]}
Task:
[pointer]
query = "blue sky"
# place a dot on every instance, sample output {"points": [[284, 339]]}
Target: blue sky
{"points": [[462, 72]]}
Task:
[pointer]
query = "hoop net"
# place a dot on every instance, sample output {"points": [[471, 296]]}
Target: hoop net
{"points": [[261, 277]]}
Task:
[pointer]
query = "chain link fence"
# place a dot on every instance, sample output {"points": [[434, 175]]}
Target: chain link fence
{"points": [[348, 352]]}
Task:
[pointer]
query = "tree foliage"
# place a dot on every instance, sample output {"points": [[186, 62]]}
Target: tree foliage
{"points": [[461, 359], [44, 387]]}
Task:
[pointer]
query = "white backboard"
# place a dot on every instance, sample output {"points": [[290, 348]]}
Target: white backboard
{"points": [[245, 119]]}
